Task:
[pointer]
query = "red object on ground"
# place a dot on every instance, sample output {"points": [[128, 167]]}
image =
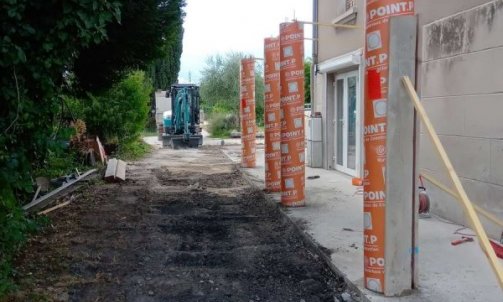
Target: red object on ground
{"points": [[463, 239], [498, 248], [355, 181]]}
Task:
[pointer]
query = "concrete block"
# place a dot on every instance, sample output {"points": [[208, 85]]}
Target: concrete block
{"points": [[482, 115], [116, 170], [484, 26], [469, 156], [472, 73], [472, 30], [485, 195], [428, 157], [432, 10], [432, 41], [496, 166], [453, 36], [489, 197], [440, 108]]}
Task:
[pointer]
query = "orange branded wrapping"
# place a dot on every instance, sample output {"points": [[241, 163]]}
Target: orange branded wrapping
{"points": [[247, 113], [292, 114], [272, 121], [376, 93]]}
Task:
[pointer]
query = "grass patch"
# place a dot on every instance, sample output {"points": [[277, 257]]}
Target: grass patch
{"points": [[149, 132], [221, 124], [134, 150], [222, 133], [13, 235]]}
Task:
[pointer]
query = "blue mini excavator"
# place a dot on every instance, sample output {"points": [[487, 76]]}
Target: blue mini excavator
{"points": [[181, 125]]}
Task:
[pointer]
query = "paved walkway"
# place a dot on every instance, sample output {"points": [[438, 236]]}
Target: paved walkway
{"points": [[333, 217]]}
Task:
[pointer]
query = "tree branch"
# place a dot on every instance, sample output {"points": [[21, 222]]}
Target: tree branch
{"points": [[18, 102]]}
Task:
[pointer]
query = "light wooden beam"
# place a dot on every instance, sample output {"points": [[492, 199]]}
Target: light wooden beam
{"points": [[467, 205], [347, 26], [479, 210]]}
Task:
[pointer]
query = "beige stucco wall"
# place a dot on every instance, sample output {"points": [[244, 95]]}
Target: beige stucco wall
{"points": [[335, 42], [461, 85]]}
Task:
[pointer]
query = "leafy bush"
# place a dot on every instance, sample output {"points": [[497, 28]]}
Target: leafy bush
{"points": [[120, 114], [220, 85], [134, 150], [221, 124], [40, 39]]}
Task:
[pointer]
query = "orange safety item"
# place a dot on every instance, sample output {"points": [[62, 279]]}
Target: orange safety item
{"points": [[247, 113], [376, 94], [272, 119], [355, 181], [292, 114]]}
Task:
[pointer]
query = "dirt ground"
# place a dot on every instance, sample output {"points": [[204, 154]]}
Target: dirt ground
{"points": [[185, 226]]}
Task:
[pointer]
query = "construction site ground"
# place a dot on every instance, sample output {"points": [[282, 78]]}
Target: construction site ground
{"points": [[185, 226], [333, 218]]}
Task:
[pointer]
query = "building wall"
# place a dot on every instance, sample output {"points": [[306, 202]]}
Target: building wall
{"points": [[460, 80], [333, 43], [338, 41], [461, 85]]}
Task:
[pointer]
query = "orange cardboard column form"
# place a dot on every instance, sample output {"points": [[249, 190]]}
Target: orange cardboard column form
{"points": [[247, 112], [292, 114], [376, 94], [272, 119]]}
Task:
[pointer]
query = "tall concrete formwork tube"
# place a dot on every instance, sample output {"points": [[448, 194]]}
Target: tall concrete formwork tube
{"points": [[292, 114], [247, 113], [377, 57], [272, 122]]}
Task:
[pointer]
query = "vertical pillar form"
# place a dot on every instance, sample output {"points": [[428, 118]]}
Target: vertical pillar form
{"points": [[272, 115], [292, 114], [401, 210], [375, 121], [247, 112]]}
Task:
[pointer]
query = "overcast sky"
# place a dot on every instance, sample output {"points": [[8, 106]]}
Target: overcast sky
{"points": [[220, 26]]}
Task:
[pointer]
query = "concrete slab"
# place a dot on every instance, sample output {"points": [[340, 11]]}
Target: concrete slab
{"points": [[333, 217]]}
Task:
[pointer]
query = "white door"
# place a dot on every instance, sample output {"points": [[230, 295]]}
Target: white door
{"points": [[347, 123]]}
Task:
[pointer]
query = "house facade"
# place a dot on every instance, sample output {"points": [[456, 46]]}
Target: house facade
{"points": [[459, 79]]}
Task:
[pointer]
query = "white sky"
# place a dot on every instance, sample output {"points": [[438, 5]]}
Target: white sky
{"points": [[220, 26]]}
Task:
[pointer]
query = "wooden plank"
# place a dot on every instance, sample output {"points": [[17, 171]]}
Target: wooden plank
{"points": [[101, 151], [44, 212], [467, 205], [51, 196], [479, 210], [400, 219], [348, 26]]}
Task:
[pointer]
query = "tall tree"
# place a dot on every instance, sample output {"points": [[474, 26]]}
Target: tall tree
{"points": [[164, 71], [146, 33], [220, 83]]}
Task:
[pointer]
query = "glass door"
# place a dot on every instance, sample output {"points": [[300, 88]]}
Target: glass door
{"points": [[347, 142]]}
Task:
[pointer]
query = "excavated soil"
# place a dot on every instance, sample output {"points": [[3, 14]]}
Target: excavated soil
{"points": [[185, 226]]}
